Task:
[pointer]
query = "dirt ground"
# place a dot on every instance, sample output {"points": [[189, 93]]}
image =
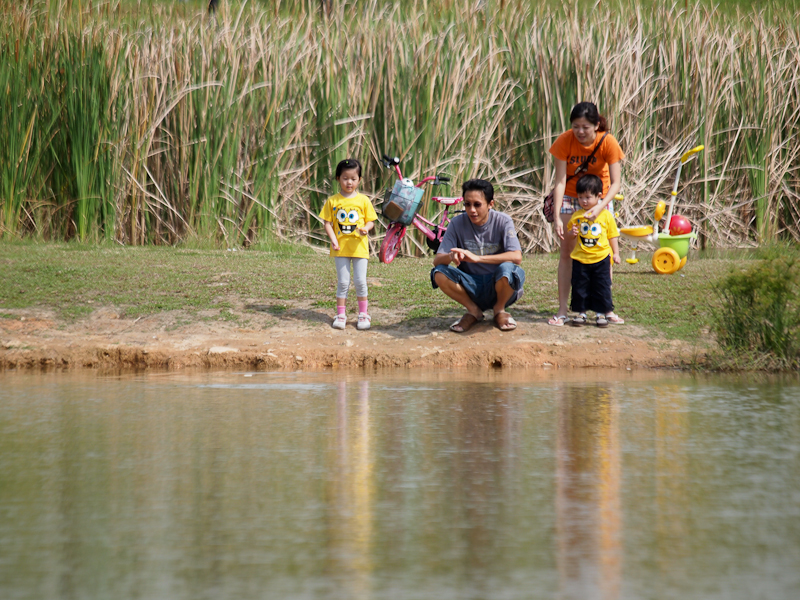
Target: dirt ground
{"points": [[264, 337]]}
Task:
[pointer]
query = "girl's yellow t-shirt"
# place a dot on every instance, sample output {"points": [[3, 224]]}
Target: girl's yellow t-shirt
{"points": [[347, 215]]}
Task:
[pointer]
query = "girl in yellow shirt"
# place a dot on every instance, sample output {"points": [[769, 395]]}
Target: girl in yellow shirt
{"points": [[349, 217]]}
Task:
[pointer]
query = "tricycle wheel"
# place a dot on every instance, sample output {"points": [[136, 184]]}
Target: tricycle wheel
{"points": [[391, 242], [666, 261], [683, 263]]}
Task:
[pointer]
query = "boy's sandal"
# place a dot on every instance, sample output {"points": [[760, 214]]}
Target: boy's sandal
{"points": [[339, 322], [505, 322], [558, 321], [364, 321], [601, 321], [579, 321], [615, 319], [464, 324]]}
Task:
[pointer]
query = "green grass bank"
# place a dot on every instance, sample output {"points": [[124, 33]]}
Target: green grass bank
{"points": [[74, 280]]}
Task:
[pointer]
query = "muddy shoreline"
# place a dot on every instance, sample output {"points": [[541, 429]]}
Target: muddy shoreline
{"points": [[32, 339]]}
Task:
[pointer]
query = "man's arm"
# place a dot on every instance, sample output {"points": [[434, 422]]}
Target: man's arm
{"points": [[513, 256], [444, 259]]}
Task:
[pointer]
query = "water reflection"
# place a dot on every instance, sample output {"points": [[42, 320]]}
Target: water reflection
{"points": [[671, 437], [352, 492], [438, 485], [588, 513]]}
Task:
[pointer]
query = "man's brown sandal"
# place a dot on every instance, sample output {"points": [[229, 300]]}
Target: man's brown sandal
{"points": [[465, 323], [505, 322]]}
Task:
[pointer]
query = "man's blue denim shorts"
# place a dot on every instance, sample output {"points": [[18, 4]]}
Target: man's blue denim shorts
{"points": [[481, 287]]}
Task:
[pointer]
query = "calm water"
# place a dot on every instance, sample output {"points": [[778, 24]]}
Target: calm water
{"points": [[398, 486]]}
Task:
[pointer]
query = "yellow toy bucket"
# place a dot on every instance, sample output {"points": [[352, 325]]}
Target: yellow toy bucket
{"points": [[679, 243]]}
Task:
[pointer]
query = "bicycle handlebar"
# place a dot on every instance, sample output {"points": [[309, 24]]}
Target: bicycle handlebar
{"points": [[393, 162], [390, 161]]}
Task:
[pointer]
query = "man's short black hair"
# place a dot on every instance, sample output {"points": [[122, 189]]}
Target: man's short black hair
{"points": [[346, 165], [478, 185], [591, 184]]}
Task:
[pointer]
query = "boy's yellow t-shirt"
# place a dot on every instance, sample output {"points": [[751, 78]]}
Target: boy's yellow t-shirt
{"points": [[347, 215], [592, 244]]}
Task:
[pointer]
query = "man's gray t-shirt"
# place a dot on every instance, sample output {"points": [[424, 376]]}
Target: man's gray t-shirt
{"points": [[495, 236]]}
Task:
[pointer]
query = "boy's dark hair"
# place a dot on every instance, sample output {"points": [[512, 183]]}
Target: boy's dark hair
{"points": [[478, 185], [346, 165], [591, 184], [588, 111]]}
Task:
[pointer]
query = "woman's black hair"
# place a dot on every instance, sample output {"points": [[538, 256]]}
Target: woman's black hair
{"points": [[588, 111], [591, 184], [478, 185], [346, 165]]}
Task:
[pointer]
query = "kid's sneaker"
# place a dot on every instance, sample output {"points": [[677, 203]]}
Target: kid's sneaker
{"points": [[339, 322], [363, 321]]}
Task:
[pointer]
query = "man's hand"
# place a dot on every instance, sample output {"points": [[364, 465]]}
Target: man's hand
{"points": [[459, 255]]}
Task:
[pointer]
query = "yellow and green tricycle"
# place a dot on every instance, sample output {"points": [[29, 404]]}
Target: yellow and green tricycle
{"points": [[673, 243]]}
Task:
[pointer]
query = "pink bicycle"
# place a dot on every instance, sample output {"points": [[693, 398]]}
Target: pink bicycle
{"points": [[401, 206]]}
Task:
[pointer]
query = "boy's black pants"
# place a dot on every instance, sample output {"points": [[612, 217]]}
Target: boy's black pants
{"points": [[591, 286]]}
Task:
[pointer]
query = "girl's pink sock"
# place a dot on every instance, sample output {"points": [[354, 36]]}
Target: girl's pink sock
{"points": [[362, 306], [341, 309]]}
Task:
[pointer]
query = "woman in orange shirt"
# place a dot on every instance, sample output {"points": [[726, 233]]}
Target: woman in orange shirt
{"points": [[570, 151]]}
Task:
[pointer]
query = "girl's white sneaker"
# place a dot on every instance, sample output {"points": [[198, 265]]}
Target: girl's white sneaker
{"points": [[363, 321], [339, 322]]}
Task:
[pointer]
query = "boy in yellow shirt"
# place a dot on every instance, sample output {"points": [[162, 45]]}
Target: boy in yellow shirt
{"points": [[597, 245]]}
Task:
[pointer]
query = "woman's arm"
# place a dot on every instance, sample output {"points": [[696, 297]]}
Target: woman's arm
{"points": [[558, 195], [615, 175]]}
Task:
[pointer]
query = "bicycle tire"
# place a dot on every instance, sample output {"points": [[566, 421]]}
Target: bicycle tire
{"points": [[433, 244], [391, 242]]}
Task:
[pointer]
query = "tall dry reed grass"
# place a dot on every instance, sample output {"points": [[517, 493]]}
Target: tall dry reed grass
{"points": [[230, 129]]}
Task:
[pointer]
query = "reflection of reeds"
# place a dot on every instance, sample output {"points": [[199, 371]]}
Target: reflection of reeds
{"points": [[231, 133]]}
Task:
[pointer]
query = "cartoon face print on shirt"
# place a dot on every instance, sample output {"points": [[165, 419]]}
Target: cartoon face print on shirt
{"points": [[589, 233], [347, 220]]}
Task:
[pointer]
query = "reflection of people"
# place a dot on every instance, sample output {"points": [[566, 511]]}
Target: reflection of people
{"points": [[589, 133], [588, 491], [349, 217], [597, 243], [483, 246], [353, 493]]}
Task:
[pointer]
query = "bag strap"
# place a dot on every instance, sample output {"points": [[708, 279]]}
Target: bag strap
{"points": [[585, 164]]}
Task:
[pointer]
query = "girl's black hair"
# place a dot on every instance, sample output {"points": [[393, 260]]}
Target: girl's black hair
{"points": [[346, 165], [589, 111], [591, 184], [478, 185]]}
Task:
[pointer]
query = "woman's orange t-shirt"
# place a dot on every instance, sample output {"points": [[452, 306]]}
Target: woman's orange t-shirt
{"points": [[569, 149]]}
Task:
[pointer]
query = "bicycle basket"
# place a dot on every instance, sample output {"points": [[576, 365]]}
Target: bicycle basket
{"points": [[401, 203]]}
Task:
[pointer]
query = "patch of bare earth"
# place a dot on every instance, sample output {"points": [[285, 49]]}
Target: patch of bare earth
{"points": [[265, 337]]}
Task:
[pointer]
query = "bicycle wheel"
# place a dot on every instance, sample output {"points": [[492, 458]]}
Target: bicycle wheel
{"points": [[434, 244], [391, 242]]}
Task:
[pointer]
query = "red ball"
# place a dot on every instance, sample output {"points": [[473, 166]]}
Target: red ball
{"points": [[679, 225]]}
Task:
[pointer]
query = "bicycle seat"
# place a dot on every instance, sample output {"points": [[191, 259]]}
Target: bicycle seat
{"points": [[447, 201]]}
